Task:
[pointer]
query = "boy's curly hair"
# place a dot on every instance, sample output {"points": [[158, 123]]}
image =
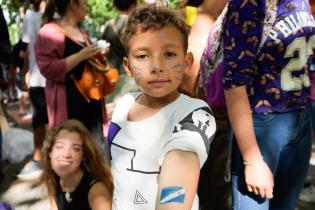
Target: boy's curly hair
{"points": [[153, 17]]}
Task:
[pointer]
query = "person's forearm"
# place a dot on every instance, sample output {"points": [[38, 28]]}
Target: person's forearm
{"points": [[72, 61], [240, 115]]}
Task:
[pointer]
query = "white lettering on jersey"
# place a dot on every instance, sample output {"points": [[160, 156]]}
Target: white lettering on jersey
{"points": [[291, 25]]}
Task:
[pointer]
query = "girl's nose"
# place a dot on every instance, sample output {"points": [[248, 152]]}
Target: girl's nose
{"points": [[67, 152]]}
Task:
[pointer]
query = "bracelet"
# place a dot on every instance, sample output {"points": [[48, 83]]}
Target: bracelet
{"points": [[250, 163]]}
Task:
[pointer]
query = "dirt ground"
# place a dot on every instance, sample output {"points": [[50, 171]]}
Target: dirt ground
{"points": [[32, 195]]}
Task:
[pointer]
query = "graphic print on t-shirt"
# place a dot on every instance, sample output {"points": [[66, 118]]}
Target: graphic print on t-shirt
{"points": [[139, 199], [112, 131], [199, 121], [139, 148]]}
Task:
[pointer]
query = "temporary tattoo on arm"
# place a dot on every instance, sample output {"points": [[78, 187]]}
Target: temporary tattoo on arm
{"points": [[174, 194]]}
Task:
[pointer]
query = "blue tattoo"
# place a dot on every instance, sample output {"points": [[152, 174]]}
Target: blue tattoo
{"points": [[172, 194]]}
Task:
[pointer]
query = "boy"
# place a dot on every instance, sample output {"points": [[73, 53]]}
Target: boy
{"points": [[159, 138]]}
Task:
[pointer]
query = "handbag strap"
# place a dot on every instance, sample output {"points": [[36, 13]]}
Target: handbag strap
{"points": [[65, 33], [94, 61]]}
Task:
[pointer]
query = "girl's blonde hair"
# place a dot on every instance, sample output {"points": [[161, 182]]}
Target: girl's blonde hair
{"points": [[93, 160]]}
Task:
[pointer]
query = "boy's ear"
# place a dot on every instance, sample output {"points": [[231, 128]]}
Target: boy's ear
{"points": [[189, 60], [127, 68]]}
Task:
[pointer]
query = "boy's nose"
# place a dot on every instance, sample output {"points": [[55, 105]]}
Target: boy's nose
{"points": [[156, 68]]}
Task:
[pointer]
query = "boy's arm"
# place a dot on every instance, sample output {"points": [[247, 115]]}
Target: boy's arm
{"points": [[178, 181]]}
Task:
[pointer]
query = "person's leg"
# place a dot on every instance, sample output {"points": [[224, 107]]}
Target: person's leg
{"points": [[4, 68], [23, 104], [39, 136], [241, 198], [213, 189], [39, 121], [12, 84], [293, 164], [273, 133]]}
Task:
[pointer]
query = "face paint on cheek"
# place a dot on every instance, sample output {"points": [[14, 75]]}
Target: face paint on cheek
{"points": [[177, 67], [178, 78], [137, 72]]}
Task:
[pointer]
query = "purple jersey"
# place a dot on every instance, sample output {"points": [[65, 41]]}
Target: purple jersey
{"points": [[277, 78]]}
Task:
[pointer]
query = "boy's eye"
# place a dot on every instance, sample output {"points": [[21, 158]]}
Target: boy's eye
{"points": [[170, 54], [141, 56]]}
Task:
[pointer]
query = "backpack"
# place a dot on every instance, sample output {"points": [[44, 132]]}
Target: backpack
{"points": [[211, 63]]}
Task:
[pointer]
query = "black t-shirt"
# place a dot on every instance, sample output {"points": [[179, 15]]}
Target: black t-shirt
{"points": [[89, 113], [79, 197]]}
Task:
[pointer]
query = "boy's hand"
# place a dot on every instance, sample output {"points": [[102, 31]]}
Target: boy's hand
{"points": [[259, 179]]}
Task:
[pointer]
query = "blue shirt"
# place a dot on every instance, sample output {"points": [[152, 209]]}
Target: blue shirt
{"points": [[277, 77]]}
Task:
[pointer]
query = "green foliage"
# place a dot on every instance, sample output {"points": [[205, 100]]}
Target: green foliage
{"points": [[15, 10], [99, 12], [174, 3]]}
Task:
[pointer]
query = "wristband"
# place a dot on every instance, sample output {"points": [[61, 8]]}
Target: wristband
{"points": [[250, 163]]}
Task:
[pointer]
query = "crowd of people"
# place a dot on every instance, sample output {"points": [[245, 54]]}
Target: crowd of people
{"points": [[215, 100]]}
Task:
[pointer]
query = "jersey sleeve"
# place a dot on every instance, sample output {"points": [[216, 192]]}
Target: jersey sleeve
{"points": [[193, 133], [242, 35]]}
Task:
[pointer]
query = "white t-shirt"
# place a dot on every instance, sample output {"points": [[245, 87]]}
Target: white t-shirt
{"points": [[31, 26], [138, 148]]}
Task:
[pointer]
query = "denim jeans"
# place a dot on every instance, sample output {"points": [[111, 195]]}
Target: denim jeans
{"points": [[285, 142]]}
